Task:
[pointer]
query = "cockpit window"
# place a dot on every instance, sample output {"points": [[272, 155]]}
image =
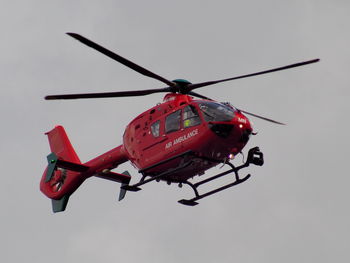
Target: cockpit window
{"points": [[213, 111], [190, 117], [172, 122], [155, 128]]}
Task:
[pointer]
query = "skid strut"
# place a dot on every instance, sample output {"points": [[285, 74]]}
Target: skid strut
{"points": [[136, 187], [254, 157]]}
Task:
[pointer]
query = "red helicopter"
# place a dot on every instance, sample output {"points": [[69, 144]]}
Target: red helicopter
{"points": [[174, 141]]}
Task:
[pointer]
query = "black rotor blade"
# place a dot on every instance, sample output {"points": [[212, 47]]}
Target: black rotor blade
{"points": [[207, 83], [106, 94], [120, 59], [246, 112], [198, 95], [261, 117]]}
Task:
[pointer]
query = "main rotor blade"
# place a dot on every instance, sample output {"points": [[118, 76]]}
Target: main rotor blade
{"points": [[207, 83], [261, 117], [120, 59], [198, 95], [106, 94]]}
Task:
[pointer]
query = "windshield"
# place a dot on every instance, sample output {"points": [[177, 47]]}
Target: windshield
{"points": [[213, 111]]}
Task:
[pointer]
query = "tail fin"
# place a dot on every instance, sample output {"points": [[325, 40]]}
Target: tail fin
{"points": [[64, 173], [61, 146]]}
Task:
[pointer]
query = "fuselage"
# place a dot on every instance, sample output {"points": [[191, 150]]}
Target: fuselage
{"points": [[212, 131]]}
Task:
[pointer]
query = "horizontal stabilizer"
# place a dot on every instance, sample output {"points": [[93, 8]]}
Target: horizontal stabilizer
{"points": [[116, 177], [76, 167], [123, 178]]}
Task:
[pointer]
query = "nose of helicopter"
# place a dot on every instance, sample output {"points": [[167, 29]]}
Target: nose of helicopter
{"points": [[233, 134], [243, 127], [242, 122], [238, 130]]}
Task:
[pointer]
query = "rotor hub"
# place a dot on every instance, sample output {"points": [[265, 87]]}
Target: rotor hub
{"points": [[181, 85]]}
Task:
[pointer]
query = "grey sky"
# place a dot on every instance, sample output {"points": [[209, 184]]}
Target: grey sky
{"points": [[294, 209]]}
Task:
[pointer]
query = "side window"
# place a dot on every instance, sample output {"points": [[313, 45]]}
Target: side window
{"points": [[172, 122], [190, 117], [155, 128]]}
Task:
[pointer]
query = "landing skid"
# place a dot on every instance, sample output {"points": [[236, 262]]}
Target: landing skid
{"points": [[192, 202], [254, 157]]}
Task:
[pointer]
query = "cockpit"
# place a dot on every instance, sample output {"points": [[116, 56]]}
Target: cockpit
{"points": [[213, 111], [218, 115]]}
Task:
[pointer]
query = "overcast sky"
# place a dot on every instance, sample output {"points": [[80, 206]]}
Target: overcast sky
{"points": [[294, 209]]}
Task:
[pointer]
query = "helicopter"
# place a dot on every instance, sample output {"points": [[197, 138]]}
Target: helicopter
{"points": [[175, 141]]}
